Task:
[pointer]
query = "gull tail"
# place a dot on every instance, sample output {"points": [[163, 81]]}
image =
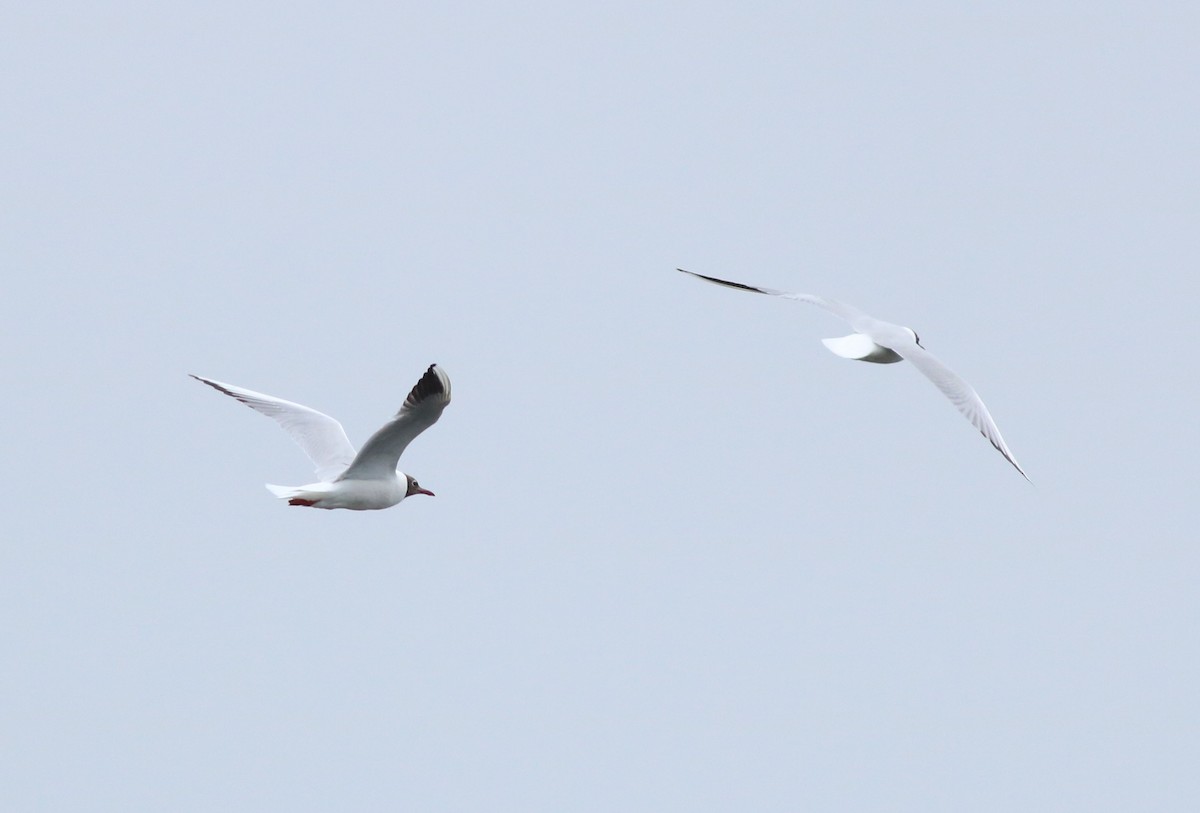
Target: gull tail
{"points": [[294, 495]]}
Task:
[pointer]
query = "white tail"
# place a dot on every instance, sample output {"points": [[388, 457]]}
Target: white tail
{"points": [[284, 492], [311, 495]]}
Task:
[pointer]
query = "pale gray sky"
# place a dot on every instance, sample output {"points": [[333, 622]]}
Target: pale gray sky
{"points": [[681, 557]]}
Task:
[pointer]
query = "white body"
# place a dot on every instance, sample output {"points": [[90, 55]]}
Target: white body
{"points": [[858, 347], [366, 480], [884, 343], [356, 495]]}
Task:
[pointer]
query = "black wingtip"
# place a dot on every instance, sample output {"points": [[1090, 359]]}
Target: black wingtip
{"points": [[214, 385], [724, 282], [1007, 457], [430, 385]]}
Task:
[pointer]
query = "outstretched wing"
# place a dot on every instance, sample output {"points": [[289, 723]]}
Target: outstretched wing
{"points": [[962, 395], [321, 437], [857, 319], [423, 406]]}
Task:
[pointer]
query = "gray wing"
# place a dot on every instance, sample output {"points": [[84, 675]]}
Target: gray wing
{"points": [[857, 319], [423, 406], [961, 394], [321, 437]]}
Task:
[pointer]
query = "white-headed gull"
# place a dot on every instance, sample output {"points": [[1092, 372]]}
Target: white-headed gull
{"points": [[365, 481], [885, 343]]}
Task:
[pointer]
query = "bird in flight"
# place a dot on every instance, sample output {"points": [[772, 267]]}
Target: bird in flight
{"points": [[884, 343], [363, 481]]}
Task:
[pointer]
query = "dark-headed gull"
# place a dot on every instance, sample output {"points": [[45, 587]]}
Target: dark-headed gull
{"points": [[885, 343], [364, 481]]}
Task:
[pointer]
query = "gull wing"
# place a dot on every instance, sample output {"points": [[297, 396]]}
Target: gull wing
{"points": [[379, 455], [961, 394], [321, 437], [857, 319]]}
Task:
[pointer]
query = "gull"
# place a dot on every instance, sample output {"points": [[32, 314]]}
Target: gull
{"points": [[884, 343], [368, 480]]}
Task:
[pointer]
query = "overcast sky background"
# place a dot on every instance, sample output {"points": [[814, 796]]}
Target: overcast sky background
{"points": [[681, 557]]}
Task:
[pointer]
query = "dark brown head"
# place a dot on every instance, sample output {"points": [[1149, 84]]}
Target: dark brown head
{"points": [[415, 488]]}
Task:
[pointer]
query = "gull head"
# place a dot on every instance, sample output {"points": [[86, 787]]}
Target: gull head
{"points": [[414, 487]]}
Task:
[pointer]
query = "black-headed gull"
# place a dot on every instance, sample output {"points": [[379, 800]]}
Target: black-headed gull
{"points": [[885, 343], [365, 481]]}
